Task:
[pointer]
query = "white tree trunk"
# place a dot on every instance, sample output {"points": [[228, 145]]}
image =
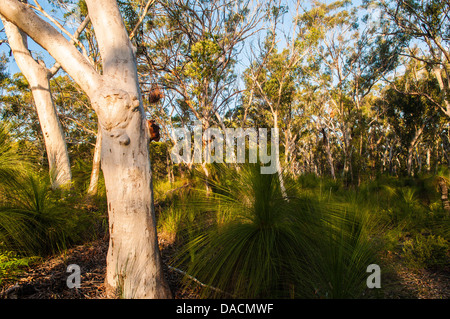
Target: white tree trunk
{"points": [[38, 78], [134, 267], [277, 157]]}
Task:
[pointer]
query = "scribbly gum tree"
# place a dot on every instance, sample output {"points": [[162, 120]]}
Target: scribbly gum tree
{"points": [[133, 263]]}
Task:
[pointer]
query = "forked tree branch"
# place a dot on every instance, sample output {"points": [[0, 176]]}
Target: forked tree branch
{"points": [[71, 60]]}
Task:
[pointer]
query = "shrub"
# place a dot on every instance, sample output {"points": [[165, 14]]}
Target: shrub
{"points": [[37, 220], [11, 265], [424, 251]]}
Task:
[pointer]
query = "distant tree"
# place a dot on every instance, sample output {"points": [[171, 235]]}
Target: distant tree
{"points": [[412, 117], [426, 26], [3, 73], [347, 60]]}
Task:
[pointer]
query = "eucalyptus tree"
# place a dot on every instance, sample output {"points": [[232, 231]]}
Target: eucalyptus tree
{"points": [[38, 77], [191, 48], [133, 262]]}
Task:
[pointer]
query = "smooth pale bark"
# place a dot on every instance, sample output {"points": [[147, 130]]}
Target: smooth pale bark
{"points": [[38, 78], [134, 263], [134, 268]]}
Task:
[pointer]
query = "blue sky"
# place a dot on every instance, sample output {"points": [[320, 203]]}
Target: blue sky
{"points": [[42, 54], [36, 50]]}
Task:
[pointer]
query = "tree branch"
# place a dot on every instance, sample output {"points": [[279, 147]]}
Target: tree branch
{"points": [[71, 60], [144, 13]]}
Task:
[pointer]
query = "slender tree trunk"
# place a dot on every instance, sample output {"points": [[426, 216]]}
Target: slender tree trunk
{"points": [[443, 187], [93, 184], [205, 150], [169, 168], [411, 146], [419, 161], [346, 149], [391, 154], [409, 161], [329, 155], [446, 147], [277, 157], [37, 76]]}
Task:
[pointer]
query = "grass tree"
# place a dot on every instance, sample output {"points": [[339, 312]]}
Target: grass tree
{"points": [[264, 246], [133, 261]]}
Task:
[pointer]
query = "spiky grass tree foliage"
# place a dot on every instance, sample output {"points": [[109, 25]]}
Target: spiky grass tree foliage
{"points": [[272, 246], [12, 162], [36, 220]]}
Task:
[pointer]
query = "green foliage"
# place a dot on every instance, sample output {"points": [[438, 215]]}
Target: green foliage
{"points": [[36, 220], [3, 73], [169, 223], [12, 160], [425, 251], [159, 159], [81, 175], [205, 54], [11, 265], [263, 245]]}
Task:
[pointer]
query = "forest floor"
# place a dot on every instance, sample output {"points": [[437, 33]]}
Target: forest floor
{"points": [[47, 279]]}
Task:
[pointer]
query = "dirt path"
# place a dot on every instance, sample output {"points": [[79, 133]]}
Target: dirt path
{"points": [[47, 280]]}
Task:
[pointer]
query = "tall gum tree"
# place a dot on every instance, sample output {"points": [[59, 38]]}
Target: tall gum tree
{"points": [[133, 263], [38, 77]]}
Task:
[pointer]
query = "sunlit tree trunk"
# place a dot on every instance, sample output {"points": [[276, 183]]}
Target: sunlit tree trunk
{"points": [[277, 157], [37, 76], [412, 145]]}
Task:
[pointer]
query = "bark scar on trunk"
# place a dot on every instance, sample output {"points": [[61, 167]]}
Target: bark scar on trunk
{"points": [[115, 109]]}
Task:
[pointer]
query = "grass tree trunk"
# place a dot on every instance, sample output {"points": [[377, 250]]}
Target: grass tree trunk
{"points": [[37, 76], [134, 267]]}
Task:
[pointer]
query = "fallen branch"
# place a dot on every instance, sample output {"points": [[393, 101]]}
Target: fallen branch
{"points": [[199, 282]]}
